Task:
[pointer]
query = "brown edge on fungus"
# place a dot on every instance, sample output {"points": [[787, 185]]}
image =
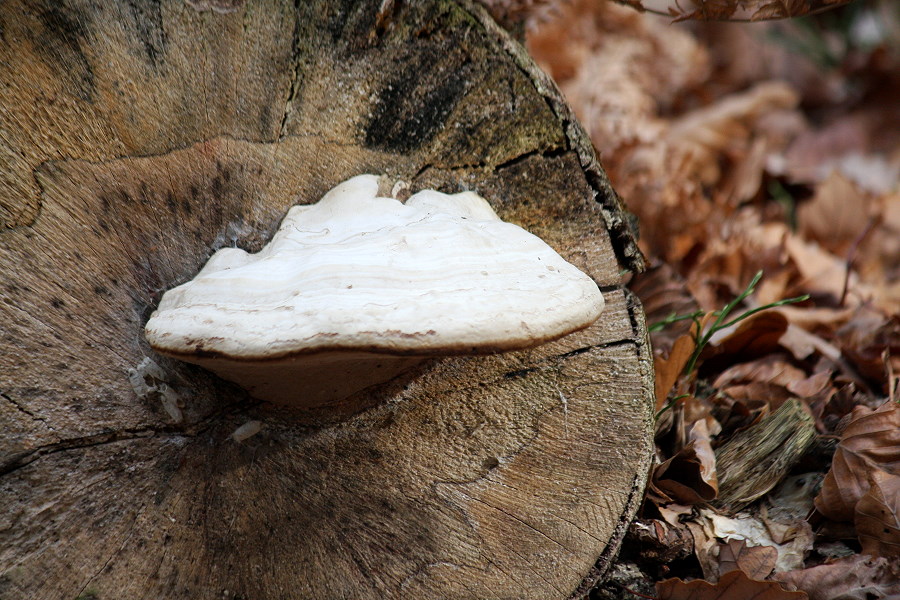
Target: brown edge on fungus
{"points": [[200, 351], [620, 223]]}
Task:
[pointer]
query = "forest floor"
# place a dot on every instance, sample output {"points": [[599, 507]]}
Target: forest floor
{"points": [[762, 162]]}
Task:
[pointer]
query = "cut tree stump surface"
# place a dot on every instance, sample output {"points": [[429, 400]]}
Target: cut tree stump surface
{"points": [[136, 139]]}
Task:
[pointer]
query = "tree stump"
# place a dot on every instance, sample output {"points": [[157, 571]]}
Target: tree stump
{"points": [[138, 137]]}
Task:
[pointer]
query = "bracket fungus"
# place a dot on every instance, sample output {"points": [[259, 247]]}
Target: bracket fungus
{"points": [[357, 288]]}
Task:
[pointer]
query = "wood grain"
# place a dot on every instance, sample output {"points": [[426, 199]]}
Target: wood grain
{"points": [[136, 139]]}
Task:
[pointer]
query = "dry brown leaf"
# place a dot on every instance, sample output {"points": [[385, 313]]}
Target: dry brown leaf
{"points": [[815, 153], [672, 513], [816, 318], [736, 414], [837, 214], [856, 577], [787, 9], [878, 257], [810, 386], [731, 586], [706, 547], [669, 369], [878, 516], [705, 133], [510, 13], [756, 562], [615, 67], [756, 336], [773, 287], [773, 396], [774, 369], [695, 409], [738, 10], [822, 274], [865, 339], [870, 442], [796, 536], [802, 344], [689, 477], [744, 181]]}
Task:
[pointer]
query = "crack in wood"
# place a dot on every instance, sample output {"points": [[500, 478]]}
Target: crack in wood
{"points": [[295, 76], [24, 410], [22, 459], [548, 153], [604, 561]]}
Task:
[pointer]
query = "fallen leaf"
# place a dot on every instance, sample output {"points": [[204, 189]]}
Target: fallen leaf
{"points": [[758, 391], [878, 259], [731, 586], [822, 274], [810, 386], [669, 369], [673, 513], [866, 337], [870, 442], [878, 516], [773, 287], [707, 131], [792, 500], [856, 577], [695, 409], [768, 379], [816, 318], [689, 477], [706, 546], [836, 215], [736, 414], [753, 337], [774, 369], [746, 526], [756, 562]]}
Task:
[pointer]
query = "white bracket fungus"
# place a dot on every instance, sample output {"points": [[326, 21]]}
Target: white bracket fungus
{"points": [[355, 289]]}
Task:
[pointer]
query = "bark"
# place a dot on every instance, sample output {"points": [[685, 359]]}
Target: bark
{"points": [[136, 138]]}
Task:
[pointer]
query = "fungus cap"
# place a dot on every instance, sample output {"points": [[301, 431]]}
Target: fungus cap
{"points": [[360, 287]]}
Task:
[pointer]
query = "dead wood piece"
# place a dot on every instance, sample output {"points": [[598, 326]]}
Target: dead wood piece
{"points": [[137, 139], [756, 459]]}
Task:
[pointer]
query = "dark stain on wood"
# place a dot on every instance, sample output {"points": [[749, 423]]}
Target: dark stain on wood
{"points": [[414, 106], [171, 203], [148, 25], [348, 21], [60, 46]]}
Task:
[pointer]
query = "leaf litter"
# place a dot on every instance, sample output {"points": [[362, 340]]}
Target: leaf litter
{"points": [[762, 161]]}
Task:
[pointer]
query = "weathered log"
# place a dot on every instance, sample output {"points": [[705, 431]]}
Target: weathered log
{"points": [[138, 137]]}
